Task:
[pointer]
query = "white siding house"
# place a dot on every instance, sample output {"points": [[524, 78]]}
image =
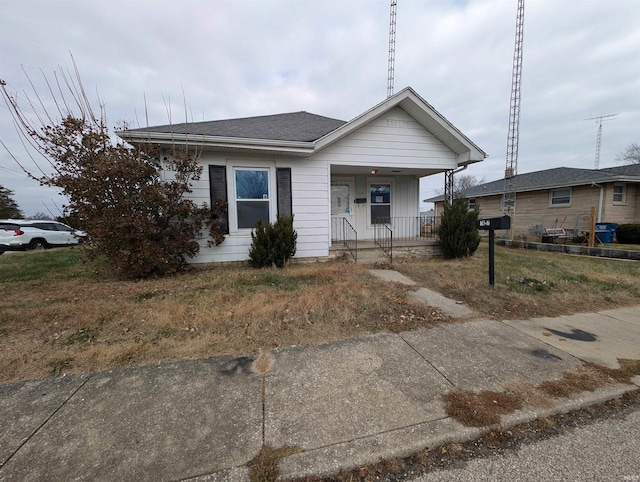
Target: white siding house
{"points": [[318, 169]]}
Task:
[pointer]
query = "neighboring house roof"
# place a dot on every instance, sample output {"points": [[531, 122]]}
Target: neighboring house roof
{"points": [[552, 179], [303, 133], [294, 126]]}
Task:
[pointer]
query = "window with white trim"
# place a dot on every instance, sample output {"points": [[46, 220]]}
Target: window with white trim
{"points": [[560, 197], [619, 193], [472, 204], [380, 203], [252, 196]]}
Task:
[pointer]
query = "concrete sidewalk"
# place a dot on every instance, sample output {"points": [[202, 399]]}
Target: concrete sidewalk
{"points": [[340, 405]]}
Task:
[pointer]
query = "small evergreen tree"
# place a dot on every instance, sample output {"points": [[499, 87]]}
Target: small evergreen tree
{"points": [[273, 244], [458, 234], [8, 207]]}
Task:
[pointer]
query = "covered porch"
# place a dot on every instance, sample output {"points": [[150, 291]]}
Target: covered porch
{"points": [[378, 209]]}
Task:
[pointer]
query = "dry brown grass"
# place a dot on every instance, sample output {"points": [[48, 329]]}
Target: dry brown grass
{"points": [[264, 466], [480, 409], [530, 283], [58, 316], [87, 323]]}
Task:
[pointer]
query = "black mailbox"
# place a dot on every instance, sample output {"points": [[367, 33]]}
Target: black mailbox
{"points": [[503, 222]]}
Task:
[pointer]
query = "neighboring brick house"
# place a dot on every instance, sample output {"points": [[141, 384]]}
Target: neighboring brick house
{"points": [[562, 197]]}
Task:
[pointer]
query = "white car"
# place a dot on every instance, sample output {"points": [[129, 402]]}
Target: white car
{"points": [[23, 234]]}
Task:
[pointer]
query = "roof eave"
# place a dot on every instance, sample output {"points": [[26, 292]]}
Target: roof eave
{"points": [[218, 142], [546, 187]]}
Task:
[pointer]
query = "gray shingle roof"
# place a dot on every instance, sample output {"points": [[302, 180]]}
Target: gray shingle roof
{"points": [[294, 126], [551, 179]]}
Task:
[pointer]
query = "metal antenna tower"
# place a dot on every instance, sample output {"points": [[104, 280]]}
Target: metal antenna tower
{"points": [[392, 47], [514, 118], [599, 136]]}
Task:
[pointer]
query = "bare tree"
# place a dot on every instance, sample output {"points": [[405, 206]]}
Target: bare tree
{"points": [[145, 225], [462, 183], [631, 155], [42, 216]]}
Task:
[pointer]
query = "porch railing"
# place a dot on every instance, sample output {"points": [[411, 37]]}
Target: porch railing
{"points": [[343, 232], [383, 237], [412, 227]]}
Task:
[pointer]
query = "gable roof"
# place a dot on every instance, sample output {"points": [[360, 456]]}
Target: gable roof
{"points": [[552, 179], [294, 126], [303, 133], [424, 113]]}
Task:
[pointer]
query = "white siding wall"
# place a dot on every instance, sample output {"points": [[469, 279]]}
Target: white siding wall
{"points": [[392, 140], [309, 186]]}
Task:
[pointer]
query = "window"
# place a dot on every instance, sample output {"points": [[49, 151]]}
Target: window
{"points": [[252, 197], [619, 193], [218, 194], [472, 204], [560, 197], [248, 195], [380, 203], [63, 227], [340, 202], [45, 226]]}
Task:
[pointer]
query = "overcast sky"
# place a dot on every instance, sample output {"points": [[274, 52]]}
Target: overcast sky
{"points": [[243, 58]]}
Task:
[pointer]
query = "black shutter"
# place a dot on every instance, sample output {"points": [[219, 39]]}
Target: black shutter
{"points": [[218, 193], [283, 175]]}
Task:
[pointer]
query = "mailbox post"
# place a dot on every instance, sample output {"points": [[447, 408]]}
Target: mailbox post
{"points": [[491, 224]]}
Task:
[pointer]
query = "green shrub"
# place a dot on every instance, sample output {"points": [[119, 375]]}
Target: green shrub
{"points": [[458, 234], [628, 233], [273, 244]]}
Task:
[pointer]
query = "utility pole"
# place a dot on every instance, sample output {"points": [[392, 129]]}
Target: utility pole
{"points": [[513, 135], [392, 48], [599, 135]]}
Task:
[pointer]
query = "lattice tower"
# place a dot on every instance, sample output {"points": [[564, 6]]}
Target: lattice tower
{"points": [[513, 135], [392, 47], [599, 135]]}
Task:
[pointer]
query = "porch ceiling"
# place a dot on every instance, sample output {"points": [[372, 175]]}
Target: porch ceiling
{"points": [[382, 171]]}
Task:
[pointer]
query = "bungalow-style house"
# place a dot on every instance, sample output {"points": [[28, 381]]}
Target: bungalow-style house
{"points": [[561, 197], [325, 172]]}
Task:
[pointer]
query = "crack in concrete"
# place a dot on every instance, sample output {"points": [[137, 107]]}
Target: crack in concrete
{"points": [[425, 359], [2, 464]]}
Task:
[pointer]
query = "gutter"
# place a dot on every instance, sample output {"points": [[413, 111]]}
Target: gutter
{"points": [[216, 141]]}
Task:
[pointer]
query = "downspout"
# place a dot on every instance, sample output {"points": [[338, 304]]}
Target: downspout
{"points": [[600, 201], [460, 169]]}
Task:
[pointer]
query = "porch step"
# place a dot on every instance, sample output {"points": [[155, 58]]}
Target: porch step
{"points": [[365, 255], [370, 253]]}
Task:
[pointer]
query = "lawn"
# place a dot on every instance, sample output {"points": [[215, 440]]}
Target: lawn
{"points": [[60, 315], [531, 283]]}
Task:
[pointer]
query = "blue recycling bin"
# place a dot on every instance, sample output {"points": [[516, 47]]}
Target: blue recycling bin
{"points": [[605, 232]]}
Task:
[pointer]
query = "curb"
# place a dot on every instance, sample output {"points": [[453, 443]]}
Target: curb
{"points": [[330, 460]]}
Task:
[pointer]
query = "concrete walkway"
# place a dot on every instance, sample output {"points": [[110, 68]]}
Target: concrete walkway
{"points": [[340, 405]]}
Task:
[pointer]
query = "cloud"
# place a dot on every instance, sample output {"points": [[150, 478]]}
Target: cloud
{"points": [[242, 58]]}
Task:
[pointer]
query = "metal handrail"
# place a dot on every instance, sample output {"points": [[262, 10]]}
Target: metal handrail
{"points": [[383, 237], [350, 238]]}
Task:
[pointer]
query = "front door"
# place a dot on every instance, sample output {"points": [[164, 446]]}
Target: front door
{"points": [[342, 199]]}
